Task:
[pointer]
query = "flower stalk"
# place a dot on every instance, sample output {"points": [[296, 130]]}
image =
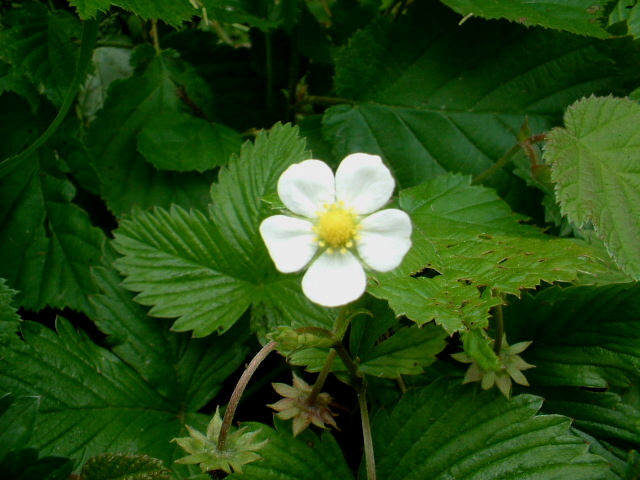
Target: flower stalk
{"points": [[239, 390]]}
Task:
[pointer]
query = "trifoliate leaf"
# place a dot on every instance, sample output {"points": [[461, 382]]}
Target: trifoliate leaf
{"points": [[127, 179], [131, 404], [109, 466], [182, 142], [208, 271], [579, 17], [582, 336], [429, 99], [293, 458], [596, 168], [471, 244], [445, 431]]}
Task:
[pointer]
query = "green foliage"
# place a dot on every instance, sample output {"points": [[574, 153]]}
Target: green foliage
{"points": [[445, 431], [208, 271], [135, 285], [109, 466], [582, 336], [579, 17], [594, 164], [474, 244]]}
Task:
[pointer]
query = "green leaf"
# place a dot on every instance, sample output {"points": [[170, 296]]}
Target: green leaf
{"points": [[17, 417], [8, 313], [47, 244], [132, 402], [582, 336], [289, 458], [573, 16], [41, 46], [171, 11], [182, 143], [471, 243], [406, 352], [109, 466], [594, 164], [445, 431], [127, 179], [208, 271], [429, 98]]}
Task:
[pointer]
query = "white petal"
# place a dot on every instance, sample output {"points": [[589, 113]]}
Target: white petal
{"points": [[384, 239], [364, 183], [334, 279], [290, 242], [305, 187]]}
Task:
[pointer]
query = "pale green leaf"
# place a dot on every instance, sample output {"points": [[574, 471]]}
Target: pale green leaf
{"points": [[127, 179], [207, 271], [429, 98], [445, 431], [575, 16], [596, 168], [109, 466], [289, 458], [470, 242], [182, 142], [582, 336]]}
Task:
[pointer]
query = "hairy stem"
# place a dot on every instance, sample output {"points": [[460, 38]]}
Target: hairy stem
{"points": [[369, 455], [496, 166], [317, 387], [239, 390]]}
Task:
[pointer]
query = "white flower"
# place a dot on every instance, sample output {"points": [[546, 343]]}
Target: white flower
{"points": [[334, 227]]}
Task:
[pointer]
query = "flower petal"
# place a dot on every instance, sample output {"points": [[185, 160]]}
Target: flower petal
{"points": [[334, 279], [364, 183], [305, 187], [290, 242], [384, 239]]}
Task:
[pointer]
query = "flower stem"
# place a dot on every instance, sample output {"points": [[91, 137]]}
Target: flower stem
{"points": [[317, 387], [238, 391], [369, 456]]}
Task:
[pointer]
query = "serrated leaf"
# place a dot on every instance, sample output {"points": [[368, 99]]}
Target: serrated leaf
{"points": [[47, 244], [573, 16], [208, 271], [127, 179], [17, 417], [131, 404], [445, 431], [429, 99], [41, 46], [406, 352], [596, 171], [474, 244], [582, 336], [293, 458], [171, 11], [183, 143], [8, 313], [109, 466]]}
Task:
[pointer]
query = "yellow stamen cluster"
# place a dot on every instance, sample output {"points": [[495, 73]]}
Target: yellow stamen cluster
{"points": [[337, 228]]}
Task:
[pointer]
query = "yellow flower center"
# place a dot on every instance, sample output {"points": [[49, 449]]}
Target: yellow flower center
{"points": [[336, 228]]}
